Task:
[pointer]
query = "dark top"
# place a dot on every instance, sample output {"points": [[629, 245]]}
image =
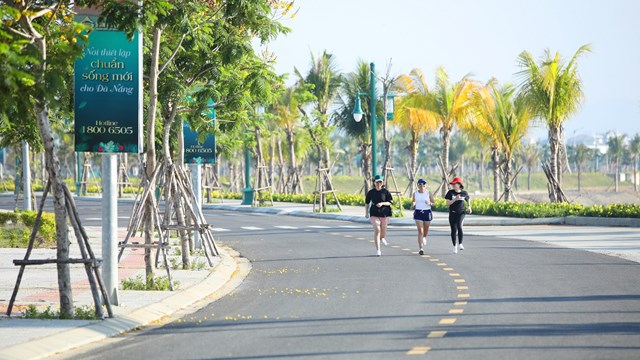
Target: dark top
{"points": [[377, 196], [457, 206]]}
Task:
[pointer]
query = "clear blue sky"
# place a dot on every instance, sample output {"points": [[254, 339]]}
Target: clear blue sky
{"points": [[481, 37]]}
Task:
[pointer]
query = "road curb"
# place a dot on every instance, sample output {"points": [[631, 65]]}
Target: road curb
{"points": [[64, 341], [441, 218]]}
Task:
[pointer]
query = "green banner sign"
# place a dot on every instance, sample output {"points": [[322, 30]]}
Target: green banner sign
{"points": [[196, 152], [108, 92]]}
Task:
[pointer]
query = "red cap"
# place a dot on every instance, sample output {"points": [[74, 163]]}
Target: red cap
{"points": [[457, 180]]}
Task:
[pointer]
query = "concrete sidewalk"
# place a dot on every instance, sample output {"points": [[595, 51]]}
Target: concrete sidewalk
{"points": [[37, 339]]}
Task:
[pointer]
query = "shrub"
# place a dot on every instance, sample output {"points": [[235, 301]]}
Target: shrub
{"points": [[17, 235], [161, 283]]}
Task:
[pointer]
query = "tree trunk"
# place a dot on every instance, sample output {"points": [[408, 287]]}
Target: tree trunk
{"points": [[260, 179], [365, 162], [528, 178], [495, 160], [413, 149], [635, 173], [481, 171], [293, 167], [617, 175], [282, 185], [446, 133], [272, 166], [180, 157], [507, 179], [57, 185], [555, 162], [151, 150], [579, 177]]}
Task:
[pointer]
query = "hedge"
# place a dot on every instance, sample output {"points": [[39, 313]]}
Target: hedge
{"points": [[486, 206], [17, 228]]}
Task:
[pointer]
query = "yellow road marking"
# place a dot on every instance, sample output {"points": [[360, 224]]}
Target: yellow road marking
{"points": [[462, 287], [459, 280], [463, 296], [434, 260], [360, 239], [418, 350], [454, 274], [447, 321], [441, 264], [395, 246], [405, 249], [456, 311], [460, 303], [447, 269], [334, 234], [348, 236], [436, 334]]}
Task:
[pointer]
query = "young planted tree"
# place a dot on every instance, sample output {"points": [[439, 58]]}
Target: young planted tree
{"points": [[553, 89], [353, 83], [634, 150], [37, 62], [580, 156], [288, 117], [509, 117], [616, 152], [448, 105], [530, 155], [326, 80], [411, 115], [205, 45]]}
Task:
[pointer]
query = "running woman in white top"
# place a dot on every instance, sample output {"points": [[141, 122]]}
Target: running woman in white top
{"points": [[421, 203]]}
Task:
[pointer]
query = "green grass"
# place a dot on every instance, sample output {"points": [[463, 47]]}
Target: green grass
{"points": [[353, 184]]}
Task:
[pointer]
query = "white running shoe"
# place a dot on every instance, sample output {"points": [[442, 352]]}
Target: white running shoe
{"points": [[424, 241], [378, 253], [461, 247], [384, 242], [455, 249]]}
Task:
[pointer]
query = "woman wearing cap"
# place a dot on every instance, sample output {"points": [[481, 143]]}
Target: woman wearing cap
{"points": [[377, 207], [457, 199], [421, 203]]}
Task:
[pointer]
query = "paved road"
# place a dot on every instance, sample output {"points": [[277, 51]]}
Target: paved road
{"points": [[315, 292]]}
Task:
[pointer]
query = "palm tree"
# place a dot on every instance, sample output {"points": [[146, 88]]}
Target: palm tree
{"points": [[530, 154], [554, 90], [634, 150], [581, 155], [410, 115], [447, 105], [507, 118], [459, 148], [343, 116], [616, 152], [288, 118], [326, 81]]}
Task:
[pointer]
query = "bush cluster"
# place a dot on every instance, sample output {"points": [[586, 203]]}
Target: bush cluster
{"points": [[485, 206], [17, 226]]}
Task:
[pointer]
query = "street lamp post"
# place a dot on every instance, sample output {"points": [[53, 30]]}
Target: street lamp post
{"points": [[357, 114], [247, 192]]}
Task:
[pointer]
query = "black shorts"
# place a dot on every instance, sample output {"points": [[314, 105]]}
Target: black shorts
{"points": [[422, 215]]}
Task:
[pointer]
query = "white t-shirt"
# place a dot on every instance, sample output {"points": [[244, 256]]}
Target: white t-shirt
{"points": [[422, 200]]}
